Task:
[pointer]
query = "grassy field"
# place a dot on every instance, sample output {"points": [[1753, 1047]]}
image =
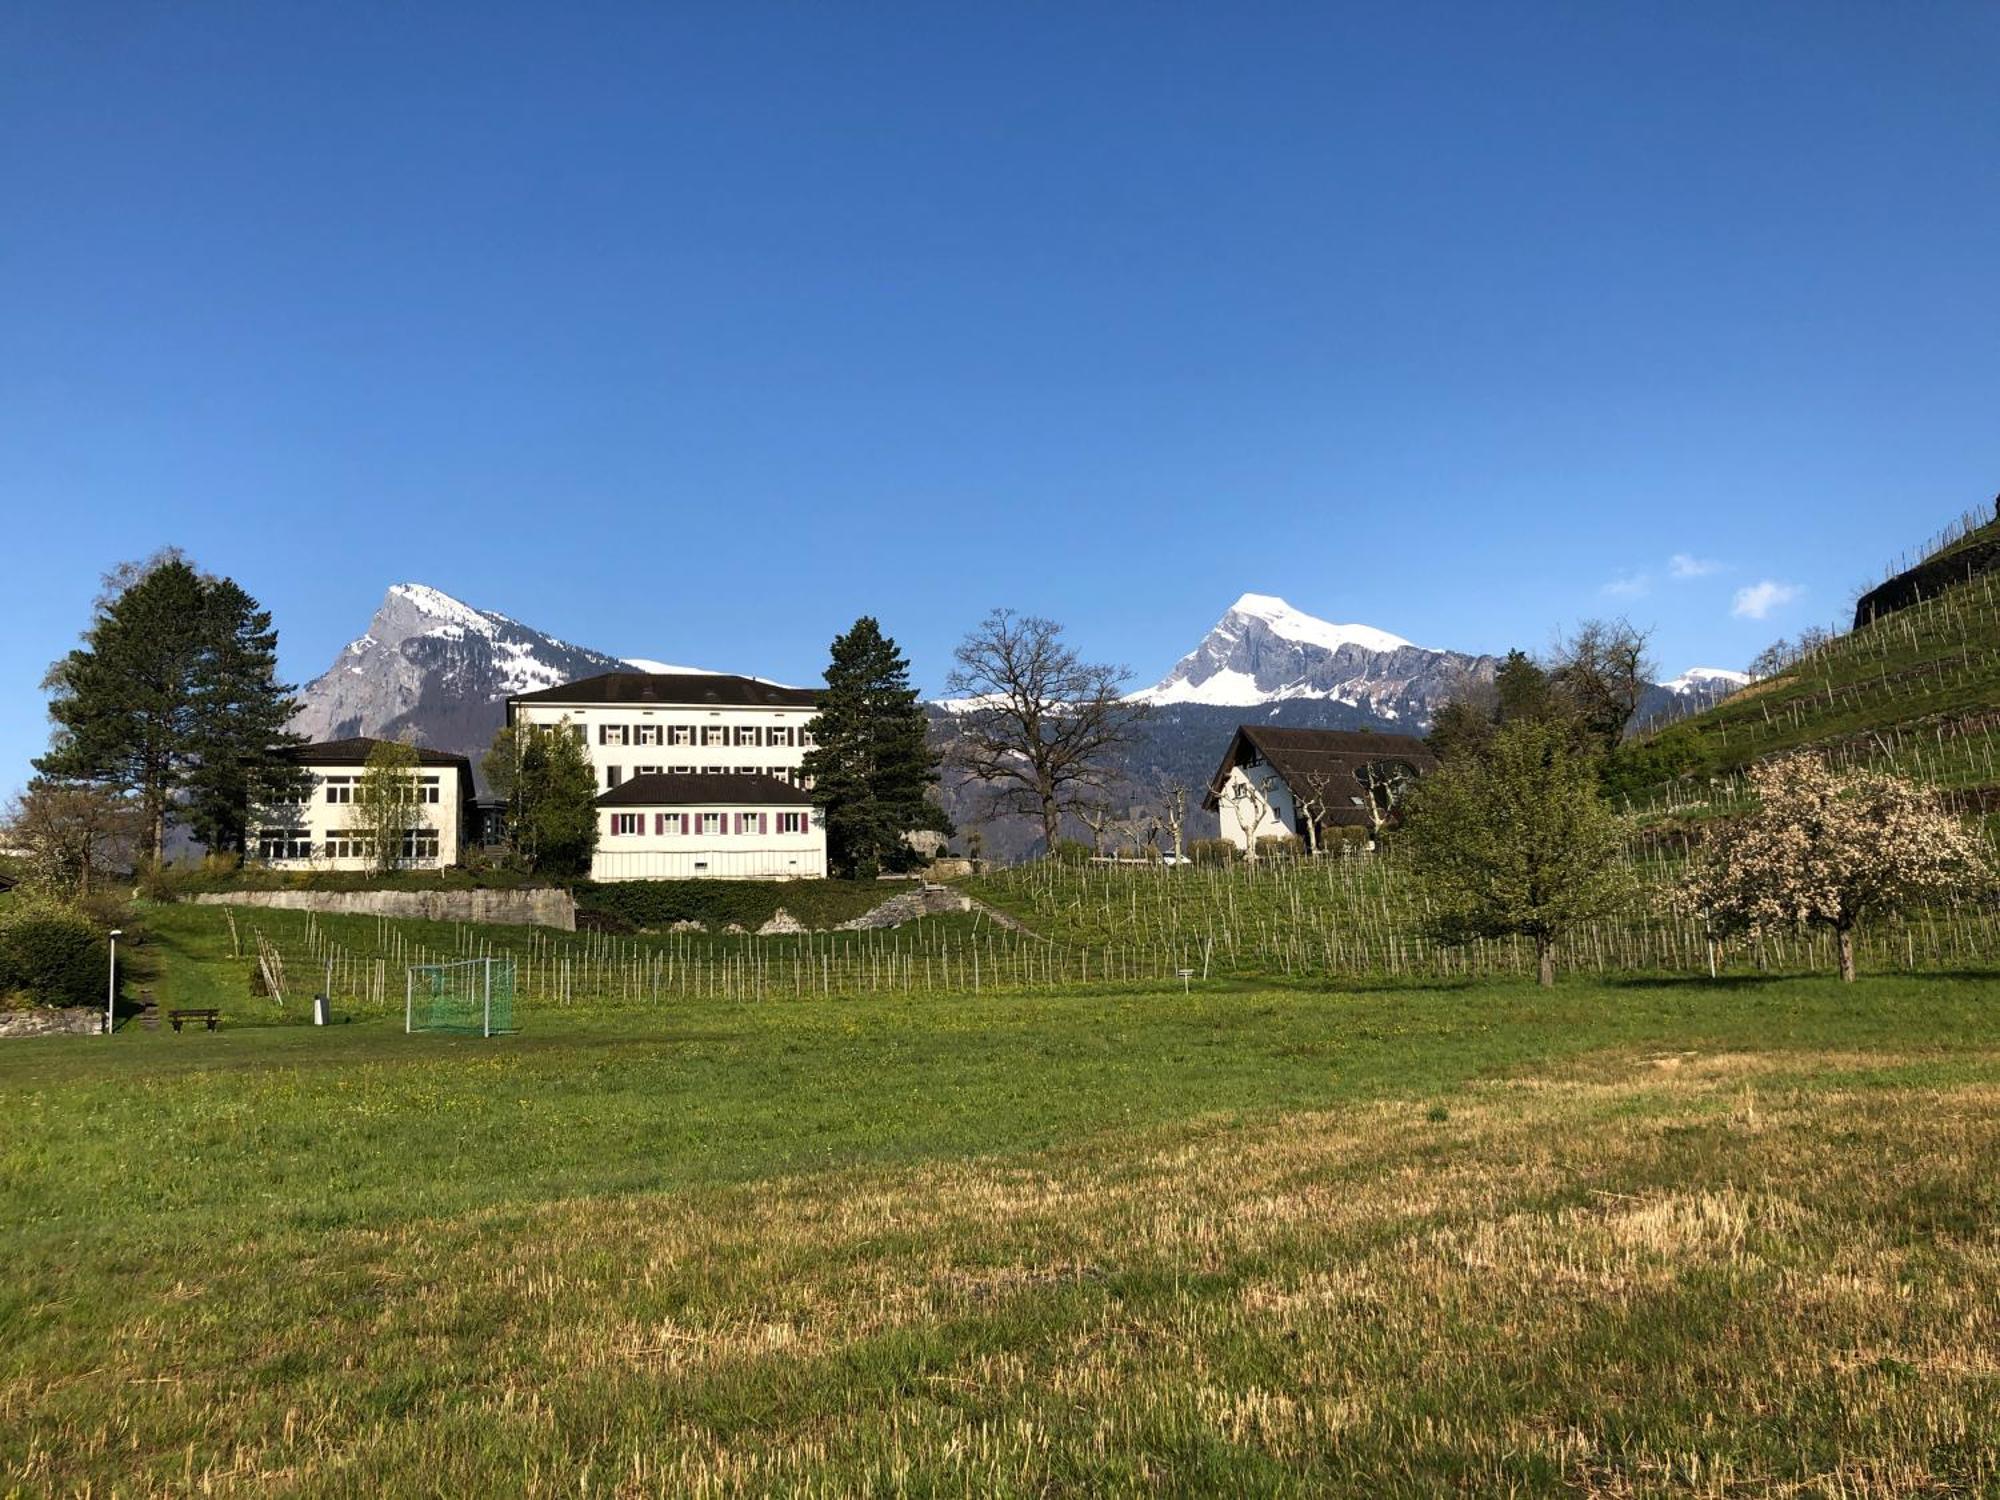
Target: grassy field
{"points": [[1622, 1238]]}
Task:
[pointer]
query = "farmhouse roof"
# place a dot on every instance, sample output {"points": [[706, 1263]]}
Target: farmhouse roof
{"points": [[1320, 763], [355, 752], [710, 789], [680, 689]]}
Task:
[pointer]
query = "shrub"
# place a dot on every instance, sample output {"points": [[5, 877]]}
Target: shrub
{"points": [[1213, 852], [1280, 846], [50, 954], [1071, 852]]}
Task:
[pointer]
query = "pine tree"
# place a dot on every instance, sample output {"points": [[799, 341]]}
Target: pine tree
{"points": [[871, 765], [173, 697], [241, 713]]}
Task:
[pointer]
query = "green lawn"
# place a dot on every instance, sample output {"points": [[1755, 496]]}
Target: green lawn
{"points": [[1618, 1238]]}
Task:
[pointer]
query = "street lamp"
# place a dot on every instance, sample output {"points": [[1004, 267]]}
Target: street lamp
{"points": [[111, 981]]}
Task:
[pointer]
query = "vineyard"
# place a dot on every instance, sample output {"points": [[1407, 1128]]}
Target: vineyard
{"points": [[1912, 693], [1352, 918]]}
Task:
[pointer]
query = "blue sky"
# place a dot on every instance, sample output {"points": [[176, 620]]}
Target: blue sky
{"points": [[695, 331]]}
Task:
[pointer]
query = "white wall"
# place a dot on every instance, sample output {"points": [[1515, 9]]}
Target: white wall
{"points": [[321, 819], [695, 721], [1277, 815], [652, 855]]}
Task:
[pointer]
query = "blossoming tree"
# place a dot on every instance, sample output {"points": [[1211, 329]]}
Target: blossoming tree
{"points": [[1828, 848]]}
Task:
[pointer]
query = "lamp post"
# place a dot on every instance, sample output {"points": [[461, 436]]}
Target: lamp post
{"points": [[111, 981]]}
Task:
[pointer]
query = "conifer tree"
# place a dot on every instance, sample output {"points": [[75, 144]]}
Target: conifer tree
{"points": [[173, 698], [871, 766]]}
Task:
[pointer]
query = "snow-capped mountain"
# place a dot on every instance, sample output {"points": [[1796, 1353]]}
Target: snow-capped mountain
{"points": [[1263, 651], [439, 670], [1695, 689]]}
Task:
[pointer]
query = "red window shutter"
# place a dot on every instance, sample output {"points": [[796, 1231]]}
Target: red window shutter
{"points": [[763, 822]]}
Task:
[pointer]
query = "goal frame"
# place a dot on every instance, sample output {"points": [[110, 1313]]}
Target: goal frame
{"points": [[484, 990]]}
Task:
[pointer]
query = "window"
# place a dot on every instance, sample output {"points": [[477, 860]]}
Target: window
{"points": [[745, 735], [648, 734], [711, 824], [806, 738], [791, 822], [340, 788], [610, 734], [713, 770], [782, 735], [349, 843], [427, 789], [680, 734], [420, 843], [626, 823], [714, 734], [667, 823], [645, 770], [682, 770], [284, 843]]}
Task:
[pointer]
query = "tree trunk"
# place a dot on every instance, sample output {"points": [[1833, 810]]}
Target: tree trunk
{"points": [[1846, 940], [1051, 824], [1545, 959]]}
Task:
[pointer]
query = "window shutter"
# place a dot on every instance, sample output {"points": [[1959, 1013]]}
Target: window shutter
{"points": [[763, 822]]}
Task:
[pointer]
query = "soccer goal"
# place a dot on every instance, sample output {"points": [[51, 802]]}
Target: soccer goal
{"points": [[475, 996]]}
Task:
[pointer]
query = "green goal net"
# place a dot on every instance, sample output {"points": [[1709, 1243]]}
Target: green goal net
{"points": [[474, 996]]}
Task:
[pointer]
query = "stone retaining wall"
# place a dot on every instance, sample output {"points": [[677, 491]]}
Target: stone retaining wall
{"points": [[540, 907], [74, 1020]]}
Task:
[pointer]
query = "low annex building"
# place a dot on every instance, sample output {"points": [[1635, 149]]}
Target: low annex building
{"points": [[725, 825], [1273, 782], [320, 833]]}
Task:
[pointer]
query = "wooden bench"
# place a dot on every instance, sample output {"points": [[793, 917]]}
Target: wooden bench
{"points": [[213, 1017]]}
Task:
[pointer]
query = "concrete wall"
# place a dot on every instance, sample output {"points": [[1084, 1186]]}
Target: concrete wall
{"points": [[75, 1020], [525, 908]]}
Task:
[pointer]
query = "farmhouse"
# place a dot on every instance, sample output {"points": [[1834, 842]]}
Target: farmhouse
{"points": [[1273, 782], [700, 773], [321, 832]]}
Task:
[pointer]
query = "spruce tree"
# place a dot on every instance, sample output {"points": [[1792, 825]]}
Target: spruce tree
{"points": [[241, 713], [176, 677], [871, 765]]}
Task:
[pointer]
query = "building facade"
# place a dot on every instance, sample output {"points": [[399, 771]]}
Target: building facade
{"points": [[720, 826], [699, 774], [678, 724], [322, 832], [1310, 783]]}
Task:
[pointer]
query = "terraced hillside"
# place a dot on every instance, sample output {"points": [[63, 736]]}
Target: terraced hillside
{"points": [[1916, 690]]}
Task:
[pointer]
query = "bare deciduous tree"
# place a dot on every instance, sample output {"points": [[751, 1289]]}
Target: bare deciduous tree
{"points": [[1246, 805], [1602, 670], [71, 833], [1041, 724], [1385, 785], [1098, 818], [1312, 791], [1171, 795]]}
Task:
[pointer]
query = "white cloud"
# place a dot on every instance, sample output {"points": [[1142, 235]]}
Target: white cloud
{"points": [[1687, 565], [1759, 599], [1628, 586]]}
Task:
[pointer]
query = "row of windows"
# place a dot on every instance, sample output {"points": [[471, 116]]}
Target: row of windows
{"points": [[613, 775], [712, 824], [701, 734], [297, 843], [342, 788]]}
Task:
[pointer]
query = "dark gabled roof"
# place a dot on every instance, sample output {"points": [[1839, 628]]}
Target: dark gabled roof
{"points": [[682, 689], [714, 789], [1321, 762], [355, 752]]}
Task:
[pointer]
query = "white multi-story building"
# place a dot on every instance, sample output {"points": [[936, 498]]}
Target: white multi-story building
{"points": [[322, 833], [700, 773]]}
